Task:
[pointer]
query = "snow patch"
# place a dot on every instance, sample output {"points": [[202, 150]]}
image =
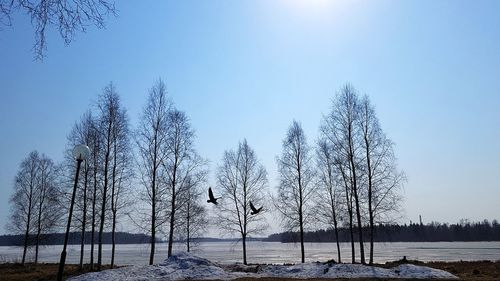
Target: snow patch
{"points": [[320, 270], [178, 267], [184, 266]]}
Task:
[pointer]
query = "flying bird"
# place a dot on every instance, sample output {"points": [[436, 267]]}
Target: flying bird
{"points": [[211, 198], [254, 210]]}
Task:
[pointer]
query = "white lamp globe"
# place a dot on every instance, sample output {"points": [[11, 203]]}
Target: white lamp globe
{"points": [[81, 152]]}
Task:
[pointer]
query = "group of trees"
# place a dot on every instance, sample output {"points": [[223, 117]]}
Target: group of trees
{"points": [[347, 179], [413, 232], [35, 200], [166, 164], [106, 173], [170, 170]]}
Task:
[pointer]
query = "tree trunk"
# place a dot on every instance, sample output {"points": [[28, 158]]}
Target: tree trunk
{"points": [[39, 226], [188, 218], [94, 199], [371, 238], [302, 253], [153, 195], [171, 230], [153, 226], [370, 193], [172, 211], [113, 205], [244, 236], [301, 201], [337, 239], [244, 249], [26, 234], [103, 207], [37, 239], [360, 229], [84, 219], [332, 205], [356, 197], [172, 221], [349, 211], [113, 241]]}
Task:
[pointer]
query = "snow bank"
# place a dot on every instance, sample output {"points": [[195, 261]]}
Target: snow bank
{"points": [[178, 267], [184, 266], [319, 270]]}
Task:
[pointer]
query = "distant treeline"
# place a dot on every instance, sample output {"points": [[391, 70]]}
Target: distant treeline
{"points": [[75, 238], [414, 232]]}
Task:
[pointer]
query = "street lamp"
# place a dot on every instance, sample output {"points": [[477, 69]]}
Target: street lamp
{"points": [[80, 153]]}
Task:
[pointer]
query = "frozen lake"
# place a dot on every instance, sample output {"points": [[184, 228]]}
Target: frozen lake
{"points": [[274, 252]]}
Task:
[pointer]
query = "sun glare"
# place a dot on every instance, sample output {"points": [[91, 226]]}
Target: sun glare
{"points": [[313, 8], [312, 4]]}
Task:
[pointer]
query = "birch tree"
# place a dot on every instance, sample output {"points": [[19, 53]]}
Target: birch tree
{"points": [[81, 133], [296, 187], [181, 165], [23, 200], [109, 114], [47, 211], [242, 180], [151, 141], [121, 172], [329, 202], [192, 219], [34, 201], [341, 130], [383, 180]]}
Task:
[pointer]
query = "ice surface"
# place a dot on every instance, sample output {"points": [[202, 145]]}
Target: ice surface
{"points": [[185, 266]]}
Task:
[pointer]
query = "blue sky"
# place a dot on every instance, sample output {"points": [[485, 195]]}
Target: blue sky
{"points": [[246, 69]]}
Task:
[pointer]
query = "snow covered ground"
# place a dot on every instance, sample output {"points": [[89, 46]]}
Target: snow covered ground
{"points": [[188, 266]]}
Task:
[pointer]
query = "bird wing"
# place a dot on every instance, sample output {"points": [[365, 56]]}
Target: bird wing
{"points": [[252, 207], [210, 194]]}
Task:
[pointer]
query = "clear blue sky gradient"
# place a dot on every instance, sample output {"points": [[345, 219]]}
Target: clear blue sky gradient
{"points": [[246, 69]]}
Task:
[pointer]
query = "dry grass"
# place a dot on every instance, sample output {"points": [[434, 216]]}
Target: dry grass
{"points": [[40, 272], [477, 270]]}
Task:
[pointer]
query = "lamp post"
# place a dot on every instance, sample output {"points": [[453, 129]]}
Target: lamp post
{"points": [[80, 153]]}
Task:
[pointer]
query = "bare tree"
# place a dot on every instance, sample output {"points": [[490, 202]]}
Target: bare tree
{"points": [[95, 145], [151, 141], [34, 200], [121, 172], [23, 201], [47, 202], [329, 205], [192, 219], [81, 133], [364, 160], [341, 130], [69, 17], [109, 114], [181, 166], [383, 179], [296, 188], [5, 11], [242, 180]]}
